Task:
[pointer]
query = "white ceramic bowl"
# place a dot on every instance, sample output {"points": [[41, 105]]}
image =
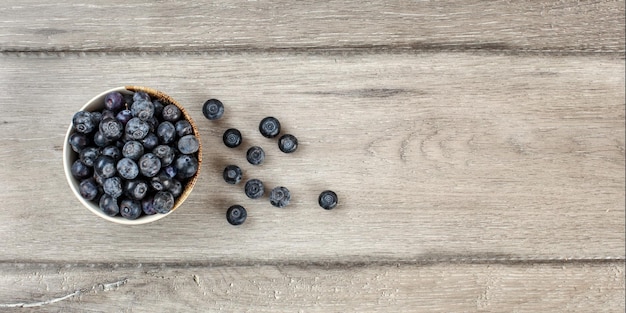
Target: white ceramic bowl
{"points": [[69, 156]]}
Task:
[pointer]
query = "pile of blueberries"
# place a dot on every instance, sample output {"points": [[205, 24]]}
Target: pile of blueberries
{"points": [[269, 127], [135, 157]]}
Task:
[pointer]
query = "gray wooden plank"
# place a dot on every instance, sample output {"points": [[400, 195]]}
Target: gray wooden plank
{"points": [[549, 25], [434, 157], [434, 288]]}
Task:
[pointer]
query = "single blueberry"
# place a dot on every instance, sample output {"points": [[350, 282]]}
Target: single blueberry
{"points": [[158, 108], [188, 144], [328, 199], [143, 109], [287, 143], [183, 127], [114, 101], [130, 209], [147, 205], [137, 129], [111, 128], [80, 170], [100, 140], [163, 202], [78, 141], [171, 113], [132, 150], [176, 188], [113, 186], [149, 165], [127, 168], [255, 155], [213, 109], [269, 127], [88, 189], [166, 132], [186, 166], [232, 174], [232, 138], [89, 155], [105, 166], [107, 114], [236, 215], [124, 116], [150, 141], [112, 151], [254, 188], [140, 96], [109, 205], [280, 196], [165, 153], [83, 122], [136, 189], [160, 182]]}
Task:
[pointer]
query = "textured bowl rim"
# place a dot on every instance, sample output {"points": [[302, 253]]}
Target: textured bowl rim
{"points": [[69, 156]]}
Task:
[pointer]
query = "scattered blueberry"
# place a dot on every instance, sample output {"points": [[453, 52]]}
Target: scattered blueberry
{"points": [[127, 168], [254, 188], [186, 166], [137, 129], [113, 186], [232, 138], [166, 132], [163, 202], [171, 113], [279, 197], [109, 205], [149, 165], [236, 215], [111, 128], [188, 144], [232, 174], [78, 141], [80, 170], [213, 109], [83, 122], [255, 155], [88, 189], [328, 199], [183, 127], [269, 127], [143, 109], [130, 209], [114, 101], [287, 143]]}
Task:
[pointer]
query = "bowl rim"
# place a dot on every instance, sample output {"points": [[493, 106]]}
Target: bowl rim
{"points": [[69, 156]]}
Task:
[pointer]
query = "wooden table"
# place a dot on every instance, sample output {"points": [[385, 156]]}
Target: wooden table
{"points": [[477, 148]]}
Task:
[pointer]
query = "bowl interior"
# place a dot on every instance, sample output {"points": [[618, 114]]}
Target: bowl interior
{"points": [[69, 156]]}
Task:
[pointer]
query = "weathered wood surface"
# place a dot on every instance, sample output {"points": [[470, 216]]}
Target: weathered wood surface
{"points": [[477, 149]]}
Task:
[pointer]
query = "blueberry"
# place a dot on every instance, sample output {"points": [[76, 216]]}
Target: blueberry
{"points": [[170, 170], [107, 114], [149, 165], [78, 141], [127, 168], [114, 101], [147, 205], [287, 143], [160, 182], [232, 174], [158, 107], [112, 151], [150, 141], [143, 109], [183, 127], [236, 215], [113, 186], [140, 96], [166, 132], [255, 155], [213, 109], [105, 166], [254, 189], [98, 179], [108, 205], [88, 189], [328, 199], [130, 209], [137, 129], [96, 117], [153, 123], [280, 196], [186, 166], [80, 170], [165, 153], [124, 116], [136, 189], [88, 155], [83, 122], [163, 202], [176, 188], [111, 128], [269, 127], [232, 138], [100, 140], [188, 144], [171, 113], [132, 150]]}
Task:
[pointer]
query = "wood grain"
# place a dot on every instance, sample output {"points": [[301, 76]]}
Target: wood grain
{"points": [[447, 156], [569, 26], [436, 288]]}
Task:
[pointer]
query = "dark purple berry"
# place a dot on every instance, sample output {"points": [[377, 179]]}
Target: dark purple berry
{"points": [[163, 202], [186, 166], [232, 138], [147, 205], [108, 205], [140, 96], [137, 129], [188, 144], [113, 186], [80, 170], [78, 141], [112, 151], [236, 215], [269, 127], [143, 109], [105, 166], [171, 113], [100, 140], [279, 197], [255, 155], [165, 153], [149, 165], [136, 189], [89, 155], [124, 116], [287, 143], [232, 174], [114, 101], [130, 209], [111, 128], [83, 122], [132, 150], [254, 189], [150, 141], [183, 127], [127, 168], [328, 199], [166, 132], [213, 109], [176, 188], [158, 108], [88, 189]]}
